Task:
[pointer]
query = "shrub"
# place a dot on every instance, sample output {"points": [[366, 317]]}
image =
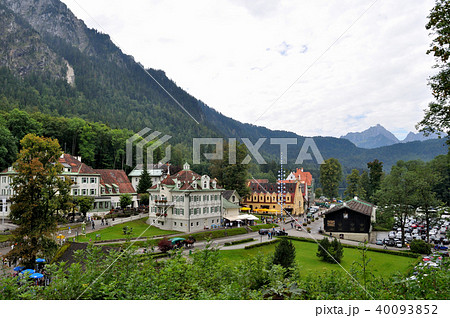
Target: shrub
{"points": [[284, 254], [421, 247], [304, 224], [239, 242], [330, 251], [164, 245]]}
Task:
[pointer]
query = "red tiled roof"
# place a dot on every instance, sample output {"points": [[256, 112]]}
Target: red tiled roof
{"points": [[118, 177], [303, 176], [77, 166]]}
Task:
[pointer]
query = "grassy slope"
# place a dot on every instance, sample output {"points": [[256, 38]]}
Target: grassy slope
{"points": [[116, 232], [380, 264]]}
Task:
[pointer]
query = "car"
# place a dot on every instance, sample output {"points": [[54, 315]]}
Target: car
{"points": [[390, 242], [445, 241], [391, 234], [263, 231], [280, 233], [380, 242], [399, 245]]}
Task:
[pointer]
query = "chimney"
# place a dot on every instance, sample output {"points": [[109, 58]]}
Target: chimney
{"points": [[355, 198]]}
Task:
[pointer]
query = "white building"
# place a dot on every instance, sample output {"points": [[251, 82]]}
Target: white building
{"points": [[157, 173], [104, 185], [186, 202]]}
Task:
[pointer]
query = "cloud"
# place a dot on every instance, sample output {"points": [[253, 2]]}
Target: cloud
{"points": [[240, 56]]}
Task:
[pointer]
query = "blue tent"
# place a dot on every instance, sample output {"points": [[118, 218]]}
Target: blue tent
{"points": [[18, 268], [36, 275], [40, 260], [27, 271]]}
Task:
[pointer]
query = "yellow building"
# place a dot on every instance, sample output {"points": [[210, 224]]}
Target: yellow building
{"points": [[264, 198]]}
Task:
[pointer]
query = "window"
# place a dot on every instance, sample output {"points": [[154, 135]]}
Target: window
{"points": [[75, 191], [93, 191], [3, 179], [181, 224], [197, 223], [212, 221], [192, 224], [100, 205], [345, 215], [175, 223], [74, 180], [84, 180], [84, 192], [93, 180]]}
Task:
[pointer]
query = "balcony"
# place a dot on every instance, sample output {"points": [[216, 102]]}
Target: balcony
{"points": [[163, 203]]}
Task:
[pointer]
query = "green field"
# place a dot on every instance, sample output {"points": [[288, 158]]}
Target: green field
{"points": [[116, 231], [380, 264]]}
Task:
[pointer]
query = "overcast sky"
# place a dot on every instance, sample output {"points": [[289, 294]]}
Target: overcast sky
{"points": [[242, 56]]}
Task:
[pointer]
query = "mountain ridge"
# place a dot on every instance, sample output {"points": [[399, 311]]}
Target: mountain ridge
{"points": [[110, 87]]}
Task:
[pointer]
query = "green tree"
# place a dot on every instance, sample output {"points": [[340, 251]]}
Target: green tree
{"points": [[397, 194], [375, 176], [441, 166], [20, 123], [437, 116], [285, 254], [330, 177], [318, 192], [364, 185], [125, 200], [420, 247], [232, 176], [352, 185], [145, 182], [8, 148], [144, 198], [36, 201], [330, 252], [85, 204]]}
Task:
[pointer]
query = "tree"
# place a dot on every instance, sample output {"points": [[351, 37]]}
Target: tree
{"points": [[318, 192], [437, 116], [441, 166], [330, 252], [375, 175], [420, 247], [284, 254], [145, 181], [36, 200], [232, 176], [8, 148], [352, 185], [330, 177], [85, 204], [164, 245], [125, 200], [396, 194], [364, 185], [144, 198]]}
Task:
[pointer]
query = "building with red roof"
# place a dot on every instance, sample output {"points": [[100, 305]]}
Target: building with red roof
{"points": [[186, 202]]}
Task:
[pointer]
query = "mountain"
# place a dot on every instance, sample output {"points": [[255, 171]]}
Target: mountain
{"points": [[419, 137], [53, 63], [374, 137]]}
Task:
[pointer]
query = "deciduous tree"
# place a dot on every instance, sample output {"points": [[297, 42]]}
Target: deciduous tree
{"points": [[330, 177]]}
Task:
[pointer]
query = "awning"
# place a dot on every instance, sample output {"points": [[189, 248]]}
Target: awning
{"points": [[245, 209]]}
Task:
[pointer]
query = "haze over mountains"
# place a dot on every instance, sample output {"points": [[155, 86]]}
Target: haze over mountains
{"points": [[378, 136], [52, 63]]}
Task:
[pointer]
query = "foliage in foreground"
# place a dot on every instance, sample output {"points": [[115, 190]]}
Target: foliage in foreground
{"points": [[204, 275]]}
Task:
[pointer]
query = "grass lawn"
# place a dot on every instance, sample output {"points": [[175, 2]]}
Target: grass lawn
{"points": [[116, 232], [4, 238], [380, 264]]}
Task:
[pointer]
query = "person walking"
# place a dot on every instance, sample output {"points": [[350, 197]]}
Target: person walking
{"points": [[93, 225]]}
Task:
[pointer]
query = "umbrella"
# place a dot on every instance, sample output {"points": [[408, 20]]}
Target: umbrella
{"points": [[28, 271], [176, 239], [273, 210], [36, 275], [40, 260], [18, 268], [245, 209]]}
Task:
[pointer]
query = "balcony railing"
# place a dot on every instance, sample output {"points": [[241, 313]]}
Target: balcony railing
{"points": [[163, 203]]}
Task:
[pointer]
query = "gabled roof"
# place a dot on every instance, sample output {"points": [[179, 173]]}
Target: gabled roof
{"points": [[186, 177], [272, 187], [111, 178], [356, 205], [228, 193], [303, 176], [76, 165]]}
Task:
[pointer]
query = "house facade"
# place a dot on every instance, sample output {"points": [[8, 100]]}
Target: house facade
{"points": [[157, 173], [186, 202], [350, 220], [264, 197], [305, 178], [86, 182]]}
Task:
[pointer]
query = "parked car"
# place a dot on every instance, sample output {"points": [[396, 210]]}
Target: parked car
{"points": [[399, 245], [390, 242], [263, 231], [380, 242], [280, 233], [392, 234]]}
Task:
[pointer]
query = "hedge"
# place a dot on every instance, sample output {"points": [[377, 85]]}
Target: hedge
{"points": [[202, 236], [399, 253], [274, 241], [256, 228], [239, 242]]}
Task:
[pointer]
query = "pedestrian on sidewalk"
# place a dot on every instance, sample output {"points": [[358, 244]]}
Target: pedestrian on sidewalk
{"points": [[93, 225]]}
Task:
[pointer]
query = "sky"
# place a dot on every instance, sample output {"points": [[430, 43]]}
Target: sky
{"points": [[317, 67]]}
